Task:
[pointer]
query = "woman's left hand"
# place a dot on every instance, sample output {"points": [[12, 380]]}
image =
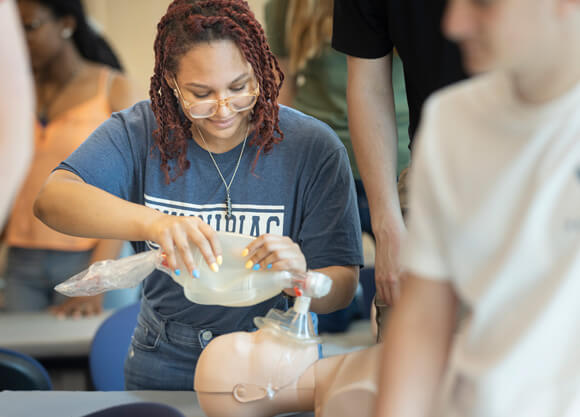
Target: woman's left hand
{"points": [[79, 307], [275, 252]]}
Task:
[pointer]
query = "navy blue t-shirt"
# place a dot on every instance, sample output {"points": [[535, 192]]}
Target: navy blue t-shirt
{"points": [[302, 189]]}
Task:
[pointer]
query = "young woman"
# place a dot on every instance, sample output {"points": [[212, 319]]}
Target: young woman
{"points": [[78, 85], [211, 151]]}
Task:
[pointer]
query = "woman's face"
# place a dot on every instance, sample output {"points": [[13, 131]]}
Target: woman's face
{"points": [[44, 32], [215, 70]]}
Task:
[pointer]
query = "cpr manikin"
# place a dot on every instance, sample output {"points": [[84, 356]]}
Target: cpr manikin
{"points": [[261, 374]]}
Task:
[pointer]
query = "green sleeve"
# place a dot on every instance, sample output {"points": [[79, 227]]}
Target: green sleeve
{"points": [[275, 17]]}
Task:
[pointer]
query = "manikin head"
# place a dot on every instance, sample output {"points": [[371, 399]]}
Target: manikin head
{"points": [[258, 374], [253, 374]]}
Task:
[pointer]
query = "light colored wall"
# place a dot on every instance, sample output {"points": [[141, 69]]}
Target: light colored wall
{"points": [[130, 27]]}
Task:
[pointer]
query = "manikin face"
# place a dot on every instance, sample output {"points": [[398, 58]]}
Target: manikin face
{"points": [[215, 70], [501, 34], [236, 373]]}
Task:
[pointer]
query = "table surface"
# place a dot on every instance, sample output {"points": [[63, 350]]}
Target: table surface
{"points": [[42, 335], [80, 403]]}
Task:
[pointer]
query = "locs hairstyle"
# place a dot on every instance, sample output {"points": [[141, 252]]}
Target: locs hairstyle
{"points": [[186, 23]]}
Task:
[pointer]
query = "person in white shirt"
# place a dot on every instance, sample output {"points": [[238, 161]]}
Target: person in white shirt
{"points": [[495, 225]]}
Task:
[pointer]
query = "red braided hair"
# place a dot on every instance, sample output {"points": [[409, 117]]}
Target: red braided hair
{"points": [[186, 23]]}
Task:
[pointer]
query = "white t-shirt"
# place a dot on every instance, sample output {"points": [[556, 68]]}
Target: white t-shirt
{"points": [[495, 197]]}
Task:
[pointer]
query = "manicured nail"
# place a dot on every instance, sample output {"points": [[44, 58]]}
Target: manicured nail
{"points": [[256, 267], [195, 273], [177, 272], [245, 252], [214, 267], [269, 266], [249, 264], [220, 259]]}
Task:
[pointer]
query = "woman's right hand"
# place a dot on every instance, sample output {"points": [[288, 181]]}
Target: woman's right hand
{"points": [[178, 236]]}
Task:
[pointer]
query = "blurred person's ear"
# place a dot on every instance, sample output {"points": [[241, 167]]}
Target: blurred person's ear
{"points": [[69, 25]]}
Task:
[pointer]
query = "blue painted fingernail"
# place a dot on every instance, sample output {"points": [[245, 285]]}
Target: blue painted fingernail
{"points": [[269, 266], [195, 273], [256, 267], [177, 272]]}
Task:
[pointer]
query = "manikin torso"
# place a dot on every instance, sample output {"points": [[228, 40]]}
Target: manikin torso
{"points": [[259, 374]]}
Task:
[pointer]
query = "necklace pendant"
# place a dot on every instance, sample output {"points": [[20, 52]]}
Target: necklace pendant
{"points": [[228, 206]]}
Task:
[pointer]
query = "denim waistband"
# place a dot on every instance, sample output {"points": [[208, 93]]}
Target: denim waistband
{"points": [[175, 332], [172, 331]]}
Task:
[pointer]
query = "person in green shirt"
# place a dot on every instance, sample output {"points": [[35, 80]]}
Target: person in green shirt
{"points": [[299, 33]]}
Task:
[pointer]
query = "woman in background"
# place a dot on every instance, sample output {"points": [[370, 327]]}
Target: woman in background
{"points": [[78, 85]]}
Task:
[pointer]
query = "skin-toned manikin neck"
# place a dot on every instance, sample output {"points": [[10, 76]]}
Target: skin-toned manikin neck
{"points": [[236, 372], [536, 42], [211, 71]]}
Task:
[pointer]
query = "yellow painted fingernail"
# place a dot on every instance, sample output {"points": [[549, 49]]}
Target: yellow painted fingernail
{"points": [[214, 267], [245, 252], [249, 264], [220, 259]]}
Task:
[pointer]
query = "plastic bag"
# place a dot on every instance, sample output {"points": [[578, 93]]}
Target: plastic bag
{"points": [[110, 274]]}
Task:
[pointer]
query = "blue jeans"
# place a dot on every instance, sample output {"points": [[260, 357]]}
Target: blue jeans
{"points": [[163, 353], [31, 275]]}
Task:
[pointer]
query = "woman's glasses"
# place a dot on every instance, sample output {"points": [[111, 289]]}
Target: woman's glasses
{"points": [[208, 108], [34, 25]]}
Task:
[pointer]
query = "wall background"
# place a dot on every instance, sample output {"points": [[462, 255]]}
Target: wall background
{"points": [[130, 27]]}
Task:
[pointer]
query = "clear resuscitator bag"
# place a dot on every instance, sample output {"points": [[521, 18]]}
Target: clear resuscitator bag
{"points": [[233, 285]]}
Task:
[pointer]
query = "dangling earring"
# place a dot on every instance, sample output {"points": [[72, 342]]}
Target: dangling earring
{"points": [[175, 93], [66, 33]]}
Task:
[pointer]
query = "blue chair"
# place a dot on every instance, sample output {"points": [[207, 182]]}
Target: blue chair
{"points": [[141, 409], [359, 308], [109, 349], [20, 372]]}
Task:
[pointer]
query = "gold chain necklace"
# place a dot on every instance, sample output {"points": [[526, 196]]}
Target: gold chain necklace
{"points": [[228, 197]]}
